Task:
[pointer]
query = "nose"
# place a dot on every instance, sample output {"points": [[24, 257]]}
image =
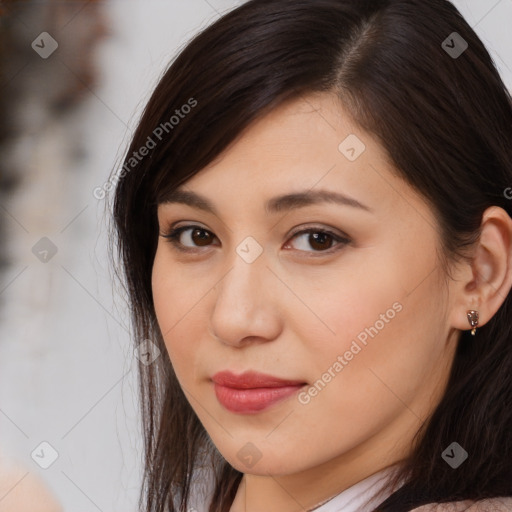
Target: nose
{"points": [[246, 308]]}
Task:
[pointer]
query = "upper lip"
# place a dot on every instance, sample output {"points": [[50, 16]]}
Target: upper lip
{"points": [[252, 379]]}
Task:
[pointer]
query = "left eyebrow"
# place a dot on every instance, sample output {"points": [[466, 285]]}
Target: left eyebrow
{"points": [[308, 197], [274, 205]]}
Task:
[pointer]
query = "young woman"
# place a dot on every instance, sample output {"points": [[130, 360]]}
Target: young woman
{"points": [[314, 224]]}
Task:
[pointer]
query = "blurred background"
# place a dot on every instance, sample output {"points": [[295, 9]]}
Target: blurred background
{"points": [[74, 77]]}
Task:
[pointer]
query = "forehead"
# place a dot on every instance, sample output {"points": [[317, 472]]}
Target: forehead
{"points": [[304, 151]]}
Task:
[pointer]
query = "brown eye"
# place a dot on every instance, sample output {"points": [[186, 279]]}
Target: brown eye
{"points": [[320, 241], [201, 237], [187, 237], [317, 239]]}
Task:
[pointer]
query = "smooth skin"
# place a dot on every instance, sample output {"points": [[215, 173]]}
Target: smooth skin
{"points": [[23, 490], [303, 301]]}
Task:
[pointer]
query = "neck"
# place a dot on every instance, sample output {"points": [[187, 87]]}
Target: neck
{"points": [[276, 494]]}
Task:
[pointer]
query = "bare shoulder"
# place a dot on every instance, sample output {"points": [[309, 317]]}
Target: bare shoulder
{"points": [[503, 504]]}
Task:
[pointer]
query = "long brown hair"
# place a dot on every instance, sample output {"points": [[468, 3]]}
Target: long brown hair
{"points": [[443, 114]]}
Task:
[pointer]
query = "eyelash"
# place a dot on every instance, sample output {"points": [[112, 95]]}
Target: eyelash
{"points": [[174, 234]]}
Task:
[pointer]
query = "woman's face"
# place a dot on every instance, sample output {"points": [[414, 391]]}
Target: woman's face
{"points": [[355, 312]]}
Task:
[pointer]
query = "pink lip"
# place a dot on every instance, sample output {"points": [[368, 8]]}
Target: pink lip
{"points": [[251, 391]]}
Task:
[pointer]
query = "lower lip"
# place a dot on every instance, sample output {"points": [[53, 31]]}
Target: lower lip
{"points": [[253, 400]]}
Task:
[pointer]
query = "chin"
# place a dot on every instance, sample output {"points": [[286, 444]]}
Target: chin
{"points": [[271, 465]]}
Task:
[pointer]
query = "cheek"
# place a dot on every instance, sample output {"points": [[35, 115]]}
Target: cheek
{"points": [[383, 314], [176, 298], [346, 303]]}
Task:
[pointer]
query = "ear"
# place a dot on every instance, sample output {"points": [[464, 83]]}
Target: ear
{"points": [[485, 282]]}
